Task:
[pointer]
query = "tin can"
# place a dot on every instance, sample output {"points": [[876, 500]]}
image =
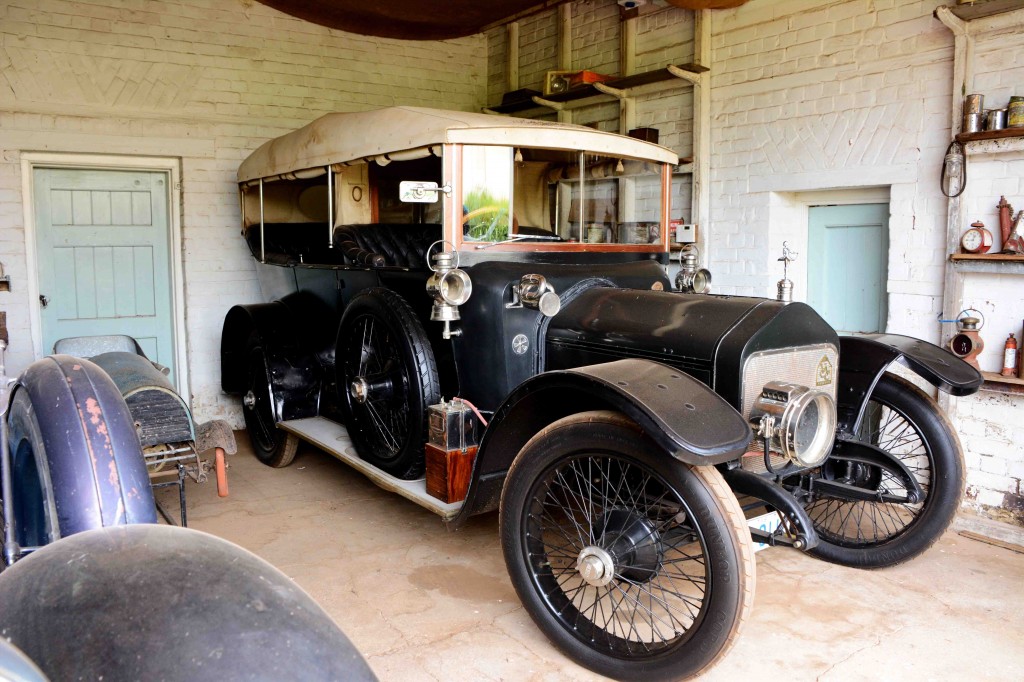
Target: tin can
{"points": [[973, 104], [1015, 113], [996, 119], [974, 123]]}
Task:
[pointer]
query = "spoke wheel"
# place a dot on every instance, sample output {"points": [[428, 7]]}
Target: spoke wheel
{"points": [[635, 565], [271, 445], [900, 419], [387, 378]]}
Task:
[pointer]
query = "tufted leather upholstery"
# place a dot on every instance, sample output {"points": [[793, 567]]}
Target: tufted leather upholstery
{"points": [[383, 245], [374, 246]]}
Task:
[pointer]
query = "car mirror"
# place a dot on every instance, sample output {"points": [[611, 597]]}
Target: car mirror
{"points": [[415, 192]]}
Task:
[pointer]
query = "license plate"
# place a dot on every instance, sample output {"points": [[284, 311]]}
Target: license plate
{"points": [[768, 523]]}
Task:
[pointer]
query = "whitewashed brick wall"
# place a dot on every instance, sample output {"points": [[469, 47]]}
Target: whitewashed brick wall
{"points": [[206, 81], [810, 96]]}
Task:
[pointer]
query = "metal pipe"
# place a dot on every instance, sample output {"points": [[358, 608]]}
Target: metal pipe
{"points": [[512, 56], [330, 207], [263, 248]]}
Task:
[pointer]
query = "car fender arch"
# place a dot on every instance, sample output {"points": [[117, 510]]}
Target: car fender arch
{"points": [[864, 358], [288, 332], [86, 448], [685, 418]]}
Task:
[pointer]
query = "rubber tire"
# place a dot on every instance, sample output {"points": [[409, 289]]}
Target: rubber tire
{"points": [[945, 493], [75, 456], [419, 375], [278, 449], [711, 502], [35, 509]]}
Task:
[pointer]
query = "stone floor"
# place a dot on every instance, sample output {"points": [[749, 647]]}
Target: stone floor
{"points": [[425, 603]]}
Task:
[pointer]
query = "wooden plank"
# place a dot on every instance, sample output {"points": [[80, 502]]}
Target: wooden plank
{"points": [[991, 541], [990, 135], [1004, 257], [997, 383]]}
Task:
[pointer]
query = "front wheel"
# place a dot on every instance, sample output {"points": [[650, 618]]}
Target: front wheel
{"points": [[635, 565], [906, 423]]}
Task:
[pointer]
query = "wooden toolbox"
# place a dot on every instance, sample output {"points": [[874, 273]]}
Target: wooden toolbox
{"points": [[448, 472]]}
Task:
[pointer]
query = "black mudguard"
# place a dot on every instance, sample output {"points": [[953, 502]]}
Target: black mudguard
{"points": [[89, 452], [289, 335], [685, 418], [163, 603], [863, 360]]}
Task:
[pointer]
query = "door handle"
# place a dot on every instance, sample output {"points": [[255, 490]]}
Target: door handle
{"points": [[44, 300]]}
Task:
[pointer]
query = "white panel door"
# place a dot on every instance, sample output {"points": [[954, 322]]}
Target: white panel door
{"points": [[103, 243]]}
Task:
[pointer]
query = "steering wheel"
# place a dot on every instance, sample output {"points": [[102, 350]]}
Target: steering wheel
{"points": [[483, 210]]}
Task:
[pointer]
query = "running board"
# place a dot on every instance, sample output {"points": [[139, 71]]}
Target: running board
{"points": [[332, 438]]}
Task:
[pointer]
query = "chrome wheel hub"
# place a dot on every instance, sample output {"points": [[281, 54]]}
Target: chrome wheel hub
{"points": [[595, 566], [359, 390]]}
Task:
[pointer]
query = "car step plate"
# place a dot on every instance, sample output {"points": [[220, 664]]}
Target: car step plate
{"points": [[333, 439]]}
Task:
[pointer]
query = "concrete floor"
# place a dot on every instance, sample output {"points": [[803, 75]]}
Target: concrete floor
{"points": [[423, 603]]}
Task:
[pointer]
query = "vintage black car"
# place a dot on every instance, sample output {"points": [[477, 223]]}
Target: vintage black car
{"points": [[498, 286]]}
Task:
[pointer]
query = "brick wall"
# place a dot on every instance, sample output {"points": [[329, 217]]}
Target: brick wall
{"points": [[825, 101], [206, 81]]}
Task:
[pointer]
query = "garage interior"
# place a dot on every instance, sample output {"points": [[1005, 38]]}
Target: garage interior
{"points": [[788, 116]]}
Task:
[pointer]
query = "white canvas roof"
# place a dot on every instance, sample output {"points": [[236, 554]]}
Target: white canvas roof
{"points": [[346, 137]]}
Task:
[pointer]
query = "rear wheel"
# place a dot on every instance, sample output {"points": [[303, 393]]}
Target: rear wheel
{"points": [[387, 378], [637, 566], [905, 422], [271, 445]]}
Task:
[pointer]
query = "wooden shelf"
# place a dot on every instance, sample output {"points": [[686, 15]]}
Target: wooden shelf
{"points": [[991, 257], [587, 91], [984, 8], [1005, 133], [994, 381]]}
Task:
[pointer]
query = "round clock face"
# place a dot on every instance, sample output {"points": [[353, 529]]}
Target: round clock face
{"points": [[961, 345], [976, 240]]}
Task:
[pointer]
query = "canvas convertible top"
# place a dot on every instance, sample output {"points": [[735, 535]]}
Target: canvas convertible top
{"points": [[411, 132]]}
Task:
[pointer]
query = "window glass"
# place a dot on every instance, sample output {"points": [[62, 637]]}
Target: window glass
{"points": [[486, 193]]}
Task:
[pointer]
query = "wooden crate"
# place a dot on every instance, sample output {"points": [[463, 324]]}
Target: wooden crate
{"points": [[448, 472]]}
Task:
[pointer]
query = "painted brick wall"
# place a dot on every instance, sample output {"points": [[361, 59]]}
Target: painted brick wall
{"points": [[820, 95], [206, 81]]}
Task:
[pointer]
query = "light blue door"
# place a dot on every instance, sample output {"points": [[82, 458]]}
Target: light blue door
{"points": [[103, 243], [848, 248]]}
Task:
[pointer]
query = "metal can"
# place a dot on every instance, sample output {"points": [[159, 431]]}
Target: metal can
{"points": [[973, 123], [973, 104], [996, 119], [1015, 113]]}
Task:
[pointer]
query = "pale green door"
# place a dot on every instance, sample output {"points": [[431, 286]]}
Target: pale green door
{"points": [[103, 243], [848, 248]]}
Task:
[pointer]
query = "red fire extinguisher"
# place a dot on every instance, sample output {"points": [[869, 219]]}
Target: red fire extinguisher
{"points": [[1010, 357]]}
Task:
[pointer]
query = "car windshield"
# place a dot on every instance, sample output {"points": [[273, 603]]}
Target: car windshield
{"points": [[561, 197]]}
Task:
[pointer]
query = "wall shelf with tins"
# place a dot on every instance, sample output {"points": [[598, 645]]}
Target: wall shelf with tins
{"points": [[968, 25]]}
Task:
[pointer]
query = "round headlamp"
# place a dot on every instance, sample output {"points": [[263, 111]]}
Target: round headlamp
{"points": [[454, 287], [799, 422]]}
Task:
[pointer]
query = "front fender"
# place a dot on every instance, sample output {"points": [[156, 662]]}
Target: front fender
{"points": [[863, 359], [684, 417]]}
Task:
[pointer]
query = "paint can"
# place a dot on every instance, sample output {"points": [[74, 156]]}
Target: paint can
{"points": [[996, 119], [1015, 113], [974, 123], [973, 104]]}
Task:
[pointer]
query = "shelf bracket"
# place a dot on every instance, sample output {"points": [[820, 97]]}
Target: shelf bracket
{"points": [[557, 106], [608, 90], [691, 76]]}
